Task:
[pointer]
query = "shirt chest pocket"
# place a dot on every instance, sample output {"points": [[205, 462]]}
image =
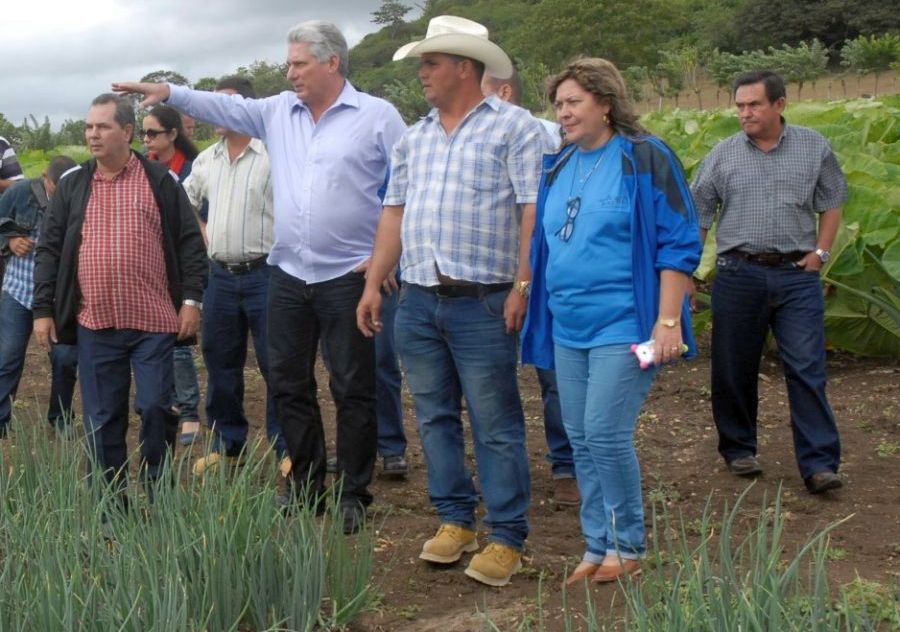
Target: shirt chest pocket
{"points": [[483, 165], [794, 191]]}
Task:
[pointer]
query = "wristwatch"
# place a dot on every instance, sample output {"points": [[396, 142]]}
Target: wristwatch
{"points": [[671, 323], [192, 303], [522, 287], [824, 255]]}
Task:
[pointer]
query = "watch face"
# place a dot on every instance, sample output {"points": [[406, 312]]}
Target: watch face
{"points": [[824, 255]]}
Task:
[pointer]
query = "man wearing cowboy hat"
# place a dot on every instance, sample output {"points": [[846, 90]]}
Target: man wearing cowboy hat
{"points": [[463, 183]]}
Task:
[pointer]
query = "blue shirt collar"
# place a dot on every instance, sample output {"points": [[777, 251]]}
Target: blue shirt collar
{"points": [[349, 97]]}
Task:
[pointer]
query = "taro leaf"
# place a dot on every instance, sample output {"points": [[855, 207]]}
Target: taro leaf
{"points": [[864, 163], [854, 324], [891, 260], [870, 208], [881, 237], [702, 322], [846, 256], [707, 265]]}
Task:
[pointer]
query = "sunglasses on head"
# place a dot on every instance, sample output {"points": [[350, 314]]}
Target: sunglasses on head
{"points": [[152, 133]]}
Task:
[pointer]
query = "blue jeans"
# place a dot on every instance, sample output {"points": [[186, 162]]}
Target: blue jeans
{"points": [[187, 389], [106, 359], [15, 331], [299, 313], [601, 391], [235, 305], [560, 455], [747, 300], [388, 405], [455, 347]]}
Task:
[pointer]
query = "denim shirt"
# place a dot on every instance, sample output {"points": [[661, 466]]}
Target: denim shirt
{"points": [[21, 210]]}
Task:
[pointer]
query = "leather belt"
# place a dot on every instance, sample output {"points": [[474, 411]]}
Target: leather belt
{"points": [[467, 290], [242, 267], [772, 259]]}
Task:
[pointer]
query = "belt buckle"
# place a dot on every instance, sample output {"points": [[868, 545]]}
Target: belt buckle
{"points": [[770, 258]]}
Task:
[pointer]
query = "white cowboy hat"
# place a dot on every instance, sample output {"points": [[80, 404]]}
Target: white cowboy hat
{"points": [[459, 36]]}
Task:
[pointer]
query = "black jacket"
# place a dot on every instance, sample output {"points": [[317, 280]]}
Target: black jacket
{"points": [[56, 291]]}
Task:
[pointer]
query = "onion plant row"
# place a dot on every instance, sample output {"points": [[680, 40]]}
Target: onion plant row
{"points": [[188, 553]]}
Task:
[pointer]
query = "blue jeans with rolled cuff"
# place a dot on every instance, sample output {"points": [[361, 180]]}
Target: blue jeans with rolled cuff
{"points": [[601, 391], [458, 347]]}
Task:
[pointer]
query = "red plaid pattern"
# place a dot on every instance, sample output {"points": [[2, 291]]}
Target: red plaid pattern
{"points": [[121, 265]]}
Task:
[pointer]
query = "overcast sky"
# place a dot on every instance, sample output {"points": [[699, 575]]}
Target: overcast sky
{"points": [[59, 54]]}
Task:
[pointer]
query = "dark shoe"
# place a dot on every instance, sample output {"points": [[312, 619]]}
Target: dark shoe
{"points": [[395, 466], [745, 466], [4, 431], [331, 465], [565, 492], [354, 517], [823, 481]]}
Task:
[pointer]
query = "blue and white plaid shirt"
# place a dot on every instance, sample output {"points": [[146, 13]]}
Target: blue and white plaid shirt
{"points": [[18, 279], [461, 193]]}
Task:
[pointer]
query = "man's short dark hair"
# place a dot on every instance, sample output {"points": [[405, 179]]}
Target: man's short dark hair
{"points": [[514, 83], [773, 83], [240, 84], [477, 65], [59, 166], [124, 110]]}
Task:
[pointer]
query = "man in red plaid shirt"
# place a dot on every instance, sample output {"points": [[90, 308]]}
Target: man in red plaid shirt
{"points": [[120, 270]]}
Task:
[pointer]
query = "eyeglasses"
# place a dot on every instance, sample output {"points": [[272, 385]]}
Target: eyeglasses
{"points": [[152, 133], [572, 207]]}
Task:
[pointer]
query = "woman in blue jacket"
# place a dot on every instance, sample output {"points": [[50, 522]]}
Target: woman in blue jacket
{"points": [[615, 242]]}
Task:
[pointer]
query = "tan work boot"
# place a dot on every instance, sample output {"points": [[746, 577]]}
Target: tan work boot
{"points": [[448, 544], [495, 564], [285, 465], [210, 463]]}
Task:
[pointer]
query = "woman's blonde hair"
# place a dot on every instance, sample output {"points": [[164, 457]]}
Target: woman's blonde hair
{"points": [[601, 78]]}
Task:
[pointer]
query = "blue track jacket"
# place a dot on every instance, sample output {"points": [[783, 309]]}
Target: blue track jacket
{"points": [[665, 236]]}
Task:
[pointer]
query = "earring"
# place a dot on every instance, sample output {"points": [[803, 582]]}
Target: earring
{"points": [[606, 119]]}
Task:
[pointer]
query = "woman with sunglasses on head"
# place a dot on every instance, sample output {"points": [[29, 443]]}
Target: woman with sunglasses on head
{"points": [[166, 141], [615, 242]]}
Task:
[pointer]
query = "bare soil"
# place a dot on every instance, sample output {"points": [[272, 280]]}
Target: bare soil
{"points": [[677, 449]]}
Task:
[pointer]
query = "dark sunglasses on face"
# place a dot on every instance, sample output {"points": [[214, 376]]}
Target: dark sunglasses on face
{"points": [[152, 133]]}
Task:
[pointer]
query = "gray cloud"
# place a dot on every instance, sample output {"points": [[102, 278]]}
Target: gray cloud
{"points": [[57, 70]]}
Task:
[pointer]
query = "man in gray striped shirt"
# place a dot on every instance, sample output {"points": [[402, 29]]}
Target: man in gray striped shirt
{"points": [[233, 175], [776, 191]]}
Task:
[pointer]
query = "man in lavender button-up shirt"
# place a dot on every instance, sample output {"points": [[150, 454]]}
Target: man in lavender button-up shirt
{"points": [[329, 147]]}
